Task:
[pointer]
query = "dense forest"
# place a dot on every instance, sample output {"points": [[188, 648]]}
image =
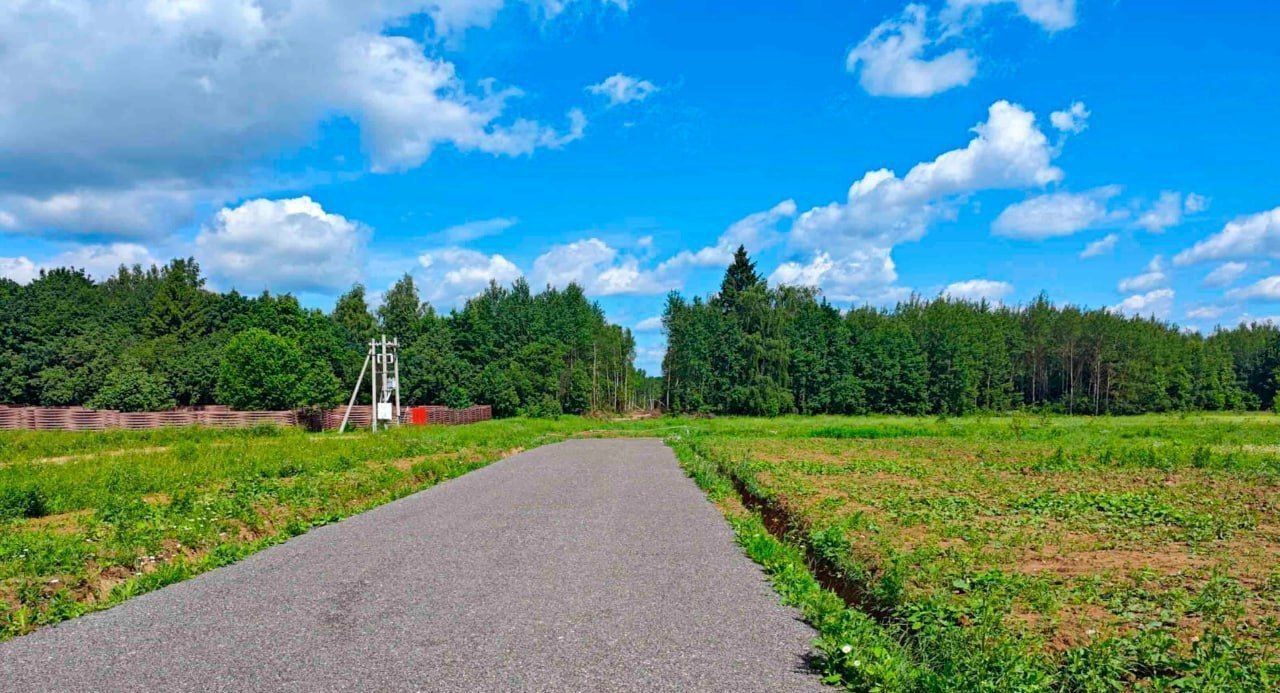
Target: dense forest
{"points": [[155, 338], [753, 349], [149, 339]]}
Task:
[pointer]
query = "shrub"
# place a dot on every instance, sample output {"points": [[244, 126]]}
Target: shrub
{"points": [[318, 386], [545, 407], [496, 389], [260, 371], [16, 502], [129, 387]]}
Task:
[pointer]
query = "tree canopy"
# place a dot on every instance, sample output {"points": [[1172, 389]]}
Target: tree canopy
{"points": [[752, 349], [152, 338]]}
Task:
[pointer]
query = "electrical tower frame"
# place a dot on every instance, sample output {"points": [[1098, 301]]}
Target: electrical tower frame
{"points": [[384, 384]]}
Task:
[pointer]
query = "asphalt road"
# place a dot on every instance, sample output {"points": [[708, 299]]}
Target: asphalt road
{"points": [[589, 565]]}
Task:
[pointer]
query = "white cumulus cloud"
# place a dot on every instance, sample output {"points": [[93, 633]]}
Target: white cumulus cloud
{"points": [[120, 116], [19, 269], [1050, 15], [136, 212], [1073, 120], [909, 55], [282, 245], [99, 261], [1153, 277], [860, 275], [1225, 274], [1169, 209], [450, 276], [891, 61], [1056, 214], [978, 290], [408, 104], [1008, 151], [597, 267], [1267, 289], [1102, 246], [1204, 313], [1157, 303], [102, 261], [1255, 235], [756, 232], [851, 241], [621, 89]]}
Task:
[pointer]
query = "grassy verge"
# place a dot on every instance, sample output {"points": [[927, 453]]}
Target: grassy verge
{"points": [[90, 519], [852, 648]]}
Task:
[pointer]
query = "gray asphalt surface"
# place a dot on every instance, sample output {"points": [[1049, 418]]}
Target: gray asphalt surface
{"points": [[589, 565]]}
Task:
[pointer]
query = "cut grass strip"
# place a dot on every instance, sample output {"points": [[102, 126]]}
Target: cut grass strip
{"points": [[852, 649]]}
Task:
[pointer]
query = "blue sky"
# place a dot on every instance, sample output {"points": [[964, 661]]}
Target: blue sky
{"points": [[628, 144]]}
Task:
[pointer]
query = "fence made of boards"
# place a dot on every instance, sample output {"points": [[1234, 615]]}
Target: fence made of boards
{"points": [[82, 419]]}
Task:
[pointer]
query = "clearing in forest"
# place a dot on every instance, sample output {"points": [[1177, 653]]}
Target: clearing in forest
{"points": [[1041, 552]]}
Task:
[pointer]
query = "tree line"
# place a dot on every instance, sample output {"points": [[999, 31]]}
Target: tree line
{"points": [[154, 338], [753, 349]]}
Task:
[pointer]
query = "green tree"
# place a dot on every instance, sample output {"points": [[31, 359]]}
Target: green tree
{"points": [[318, 386], [739, 277], [129, 387], [260, 370], [402, 311], [351, 312], [179, 306]]}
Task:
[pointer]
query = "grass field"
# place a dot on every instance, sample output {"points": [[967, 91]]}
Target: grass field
{"points": [[90, 519], [1013, 553], [1025, 553]]}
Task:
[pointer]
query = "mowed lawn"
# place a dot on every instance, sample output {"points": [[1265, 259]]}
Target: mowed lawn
{"points": [[1072, 553]]}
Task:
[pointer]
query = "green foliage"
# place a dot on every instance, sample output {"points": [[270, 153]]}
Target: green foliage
{"points": [[401, 310], [498, 387], [523, 353], [546, 407], [739, 351], [65, 340], [260, 371], [21, 502], [179, 305], [945, 536], [129, 387], [318, 386], [1275, 386], [220, 495], [351, 312]]}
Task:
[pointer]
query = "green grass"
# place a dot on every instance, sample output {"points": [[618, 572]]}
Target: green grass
{"points": [[1024, 553], [90, 519], [984, 553]]}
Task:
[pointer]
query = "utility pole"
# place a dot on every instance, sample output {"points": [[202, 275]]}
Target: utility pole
{"points": [[384, 383], [351, 403], [373, 387]]}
